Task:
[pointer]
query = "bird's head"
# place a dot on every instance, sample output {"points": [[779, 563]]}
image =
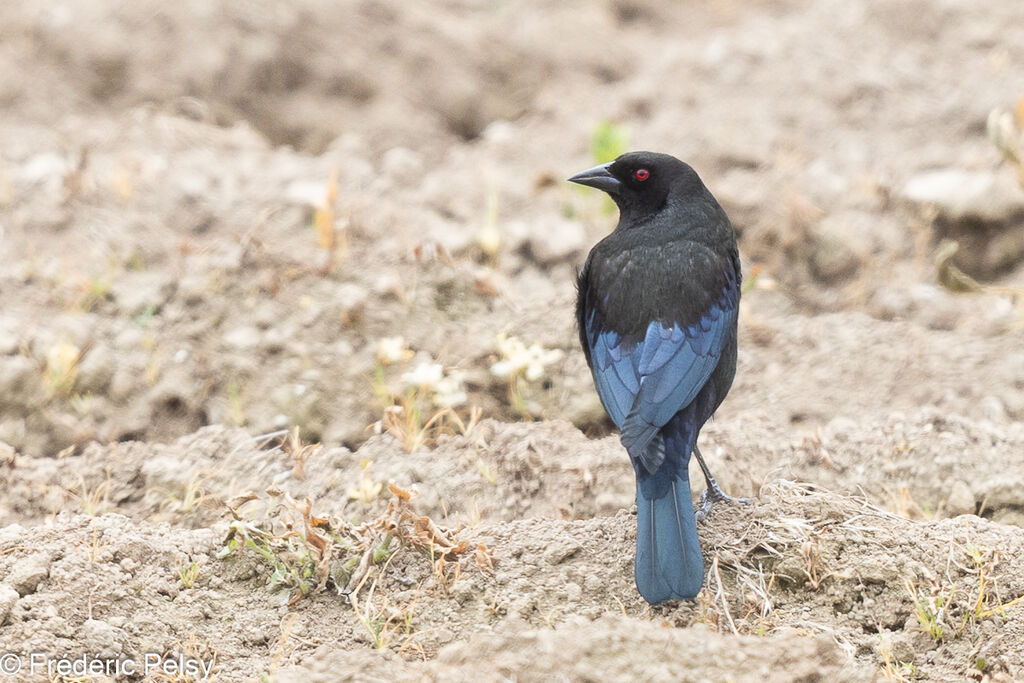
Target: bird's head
{"points": [[644, 182]]}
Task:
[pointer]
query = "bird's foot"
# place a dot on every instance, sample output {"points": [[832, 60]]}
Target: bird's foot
{"points": [[714, 494]]}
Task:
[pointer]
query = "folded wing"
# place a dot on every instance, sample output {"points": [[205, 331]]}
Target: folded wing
{"points": [[642, 384]]}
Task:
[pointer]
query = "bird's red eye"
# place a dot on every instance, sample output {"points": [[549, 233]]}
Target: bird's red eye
{"points": [[641, 174]]}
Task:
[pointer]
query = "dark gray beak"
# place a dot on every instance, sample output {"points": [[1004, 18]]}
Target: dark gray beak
{"points": [[599, 177]]}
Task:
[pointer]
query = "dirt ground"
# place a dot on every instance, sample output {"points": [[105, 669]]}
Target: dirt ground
{"points": [[220, 225]]}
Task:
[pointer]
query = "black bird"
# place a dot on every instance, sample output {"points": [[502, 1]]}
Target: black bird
{"points": [[657, 306]]}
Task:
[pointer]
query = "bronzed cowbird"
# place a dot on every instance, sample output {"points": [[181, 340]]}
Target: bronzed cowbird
{"points": [[657, 306]]}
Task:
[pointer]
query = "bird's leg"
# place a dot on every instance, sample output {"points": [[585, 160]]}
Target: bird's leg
{"points": [[713, 493]]}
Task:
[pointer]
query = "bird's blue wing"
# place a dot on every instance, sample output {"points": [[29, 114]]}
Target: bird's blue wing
{"points": [[615, 364], [643, 384]]}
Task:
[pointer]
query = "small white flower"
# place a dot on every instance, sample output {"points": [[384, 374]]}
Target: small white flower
{"points": [[449, 393], [502, 368], [489, 239], [518, 358], [392, 350], [424, 375]]}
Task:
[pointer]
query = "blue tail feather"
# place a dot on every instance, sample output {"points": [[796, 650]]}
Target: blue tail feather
{"points": [[669, 565]]}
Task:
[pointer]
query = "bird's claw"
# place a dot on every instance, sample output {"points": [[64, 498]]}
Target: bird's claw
{"points": [[714, 494]]}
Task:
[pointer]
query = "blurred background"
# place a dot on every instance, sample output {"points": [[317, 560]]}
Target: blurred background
{"points": [[231, 231], [351, 217]]}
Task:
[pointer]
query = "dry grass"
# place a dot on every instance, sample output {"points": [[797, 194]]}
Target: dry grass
{"points": [[424, 408], [191, 496], [944, 609], [784, 558], [747, 572], [93, 500], [191, 649], [404, 421], [306, 554], [298, 451]]}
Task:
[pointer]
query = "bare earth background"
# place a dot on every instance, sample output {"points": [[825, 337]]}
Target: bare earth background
{"points": [[214, 218]]}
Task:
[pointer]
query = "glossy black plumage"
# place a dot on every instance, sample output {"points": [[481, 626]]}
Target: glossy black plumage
{"points": [[657, 305]]}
